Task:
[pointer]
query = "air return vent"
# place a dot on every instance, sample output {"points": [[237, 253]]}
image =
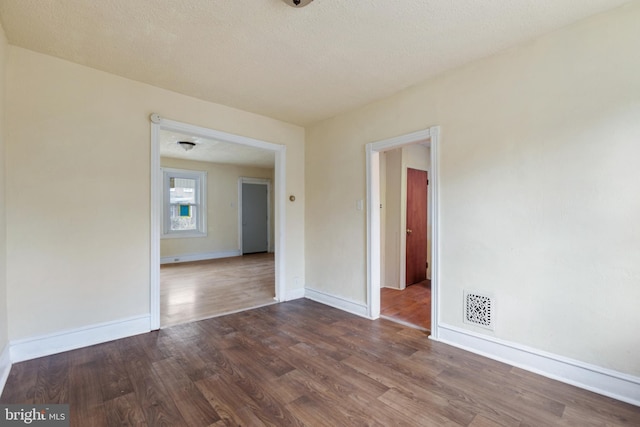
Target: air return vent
{"points": [[478, 309]]}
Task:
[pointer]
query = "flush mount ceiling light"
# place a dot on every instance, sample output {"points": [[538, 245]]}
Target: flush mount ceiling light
{"points": [[187, 145], [297, 3]]}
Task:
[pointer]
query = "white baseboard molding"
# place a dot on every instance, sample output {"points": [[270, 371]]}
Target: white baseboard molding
{"points": [[198, 257], [294, 294], [599, 380], [341, 303], [5, 366], [45, 345]]}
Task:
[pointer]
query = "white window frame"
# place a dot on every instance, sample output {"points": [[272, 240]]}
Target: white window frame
{"points": [[200, 178]]}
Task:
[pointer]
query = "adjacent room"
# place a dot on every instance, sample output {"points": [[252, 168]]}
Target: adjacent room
{"points": [[405, 236], [216, 248]]}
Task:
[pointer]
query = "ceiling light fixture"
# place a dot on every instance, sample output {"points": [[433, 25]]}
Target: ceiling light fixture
{"points": [[187, 145], [297, 3]]}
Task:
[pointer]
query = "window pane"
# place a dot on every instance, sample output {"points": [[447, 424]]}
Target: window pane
{"points": [[183, 217], [182, 190]]}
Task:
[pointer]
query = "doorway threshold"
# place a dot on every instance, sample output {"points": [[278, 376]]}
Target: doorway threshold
{"points": [[220, 314], [405, 323]]}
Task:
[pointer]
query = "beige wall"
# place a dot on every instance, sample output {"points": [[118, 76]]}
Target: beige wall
{"points": [[539, 189], [222, 203], [3, 224], [78, 190], [390, 221]]}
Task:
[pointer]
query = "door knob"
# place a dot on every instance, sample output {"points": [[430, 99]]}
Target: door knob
{"points": [[409, 231]]}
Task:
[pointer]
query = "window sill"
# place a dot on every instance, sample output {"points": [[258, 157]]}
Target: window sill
{"points": [[188, 235]]}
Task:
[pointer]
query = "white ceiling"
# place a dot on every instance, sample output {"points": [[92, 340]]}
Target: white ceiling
{"points": [[210, 150], [300, 65]]}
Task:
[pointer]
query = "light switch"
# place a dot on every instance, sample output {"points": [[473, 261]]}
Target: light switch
{"points": [[359, 204]]}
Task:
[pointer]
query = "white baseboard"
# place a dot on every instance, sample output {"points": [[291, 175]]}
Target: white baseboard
{"points": [[603, 381], [294, 294], [5, 366], [198, 257], [45, 345], [344, 304]]}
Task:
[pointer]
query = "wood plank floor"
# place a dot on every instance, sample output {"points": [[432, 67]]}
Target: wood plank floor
{"points": [[198, 290], [300, 363], [411, 306]]}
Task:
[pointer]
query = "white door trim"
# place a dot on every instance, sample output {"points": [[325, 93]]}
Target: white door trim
{"points": [[157, 124], [373, 151], [261, 181]]}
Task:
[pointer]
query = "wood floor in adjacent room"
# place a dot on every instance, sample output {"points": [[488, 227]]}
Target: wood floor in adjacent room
{"points": [[411, 305], [299, 363], [201, 289]]}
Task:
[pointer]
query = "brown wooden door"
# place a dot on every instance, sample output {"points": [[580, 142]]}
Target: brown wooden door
{"points": [[417, 182]]}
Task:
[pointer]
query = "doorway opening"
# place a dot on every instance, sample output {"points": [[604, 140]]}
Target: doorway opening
{"points": [[254, 207], [405, 294], [380, 262], [204, 275]]}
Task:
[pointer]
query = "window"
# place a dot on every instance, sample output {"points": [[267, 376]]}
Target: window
{"points": [[184, 208]]}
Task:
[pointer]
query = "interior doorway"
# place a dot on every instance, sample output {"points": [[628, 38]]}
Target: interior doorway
{"points": [[253, 205], [232, 145], [377, 242], [405, 293]]}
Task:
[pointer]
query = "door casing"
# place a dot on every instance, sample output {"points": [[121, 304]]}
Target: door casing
{"points": [[373, 150]]}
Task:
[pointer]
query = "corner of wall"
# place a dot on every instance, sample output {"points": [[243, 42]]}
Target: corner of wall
{"points": [[5, 366], [5, 362]]}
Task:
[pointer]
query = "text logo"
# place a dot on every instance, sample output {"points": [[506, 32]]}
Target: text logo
{"points": [[34, 415]]}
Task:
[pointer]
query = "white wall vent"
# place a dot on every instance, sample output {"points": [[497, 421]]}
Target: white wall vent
{"points": [[478, 309]]}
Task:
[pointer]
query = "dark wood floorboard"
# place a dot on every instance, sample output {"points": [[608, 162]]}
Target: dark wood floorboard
{"points": [[300, 363], [411, 305]]}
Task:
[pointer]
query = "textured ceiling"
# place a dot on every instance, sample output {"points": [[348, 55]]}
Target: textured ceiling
{"points": [[210, 150], [298, 65]]}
